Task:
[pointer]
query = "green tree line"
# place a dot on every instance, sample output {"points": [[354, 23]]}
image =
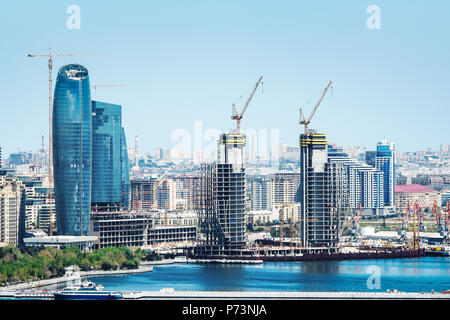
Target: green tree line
{"points": [[38, 263]]}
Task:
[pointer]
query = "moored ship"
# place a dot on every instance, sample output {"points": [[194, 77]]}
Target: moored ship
{"points": [[87, 291]]}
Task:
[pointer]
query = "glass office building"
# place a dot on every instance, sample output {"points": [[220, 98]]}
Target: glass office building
{"points": [[72, 150], [125, 173], [106, 155], [385, 162]]}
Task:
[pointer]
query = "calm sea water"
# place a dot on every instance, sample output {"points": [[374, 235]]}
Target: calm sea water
{"points": [[414, 274]]}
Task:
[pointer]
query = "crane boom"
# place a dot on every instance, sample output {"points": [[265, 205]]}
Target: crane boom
{"points": [[320, 100], [95, 86], [305, 121], [251, 96], [236, 116], [63, 54]]}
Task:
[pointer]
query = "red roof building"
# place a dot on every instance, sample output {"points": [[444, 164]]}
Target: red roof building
{"points": [[417, 188], [410, 193]]}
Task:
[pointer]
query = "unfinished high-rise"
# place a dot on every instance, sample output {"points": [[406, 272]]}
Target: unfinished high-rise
{"points": [[323, 193], [222, 198]]}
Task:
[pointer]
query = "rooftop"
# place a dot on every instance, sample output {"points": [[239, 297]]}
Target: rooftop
{"points": [[413, 188], [60, 239]]}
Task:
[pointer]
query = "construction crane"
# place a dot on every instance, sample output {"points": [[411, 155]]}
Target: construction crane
{"points": [[446, 239], [238, 116], [404, 228], [280, 218], [442, 221], [355, 223], [95, 86], [291, 229], [437, 214], [305, 121], [415, 243], [50, 56], [420, 217]]}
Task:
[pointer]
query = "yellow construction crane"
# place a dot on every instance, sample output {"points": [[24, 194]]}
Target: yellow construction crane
{"points": [[280, 218], [50, 56], [291, 229], [305, 121], [238, 116]]}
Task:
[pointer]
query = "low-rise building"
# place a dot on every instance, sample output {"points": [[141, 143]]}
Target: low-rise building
{"points": [[261, 216], [143, 228], [12, 210], [61, 242], [409, 193]]}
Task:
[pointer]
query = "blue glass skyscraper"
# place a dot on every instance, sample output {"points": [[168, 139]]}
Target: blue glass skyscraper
{"points": [[72, 150], [125, 182], [385, 162], [106, 155]]}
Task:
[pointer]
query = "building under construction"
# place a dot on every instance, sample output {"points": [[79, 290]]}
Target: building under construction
{"points": [[323, 193], [221, 208], [323, 190], [222, 199]]}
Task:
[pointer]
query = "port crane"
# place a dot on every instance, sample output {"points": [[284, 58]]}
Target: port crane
{"points": [[415, 241], [238, 116], [305, 121], [50, 56], [420, 217], [442, 221], [446, 239], [404, 228], [355, 223]]}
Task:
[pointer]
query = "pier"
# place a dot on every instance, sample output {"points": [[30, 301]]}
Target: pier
{"points": [[286, 254], [168, 294], [171, 294]]}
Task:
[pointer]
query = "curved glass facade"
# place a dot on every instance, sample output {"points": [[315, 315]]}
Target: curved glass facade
{"points": [[106, 153], [72, 150], [125, 173]]}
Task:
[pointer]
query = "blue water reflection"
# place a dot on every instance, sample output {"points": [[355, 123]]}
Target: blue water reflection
{"points": [[415, 274]]}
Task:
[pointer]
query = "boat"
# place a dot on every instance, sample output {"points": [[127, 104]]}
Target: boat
{"points": [[87, 290], [438, 251]]}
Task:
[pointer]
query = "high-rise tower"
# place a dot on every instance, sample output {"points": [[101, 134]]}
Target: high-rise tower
{"points": [[72, 150], [322, 193], [222, 201], [106, 156], [385, 162], [125, 173]]}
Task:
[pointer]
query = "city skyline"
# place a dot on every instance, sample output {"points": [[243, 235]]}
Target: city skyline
{"points": [[190, 63]]}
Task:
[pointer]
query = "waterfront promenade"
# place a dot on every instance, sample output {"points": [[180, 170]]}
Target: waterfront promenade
{"points": [[170, 294], [71, 278]]}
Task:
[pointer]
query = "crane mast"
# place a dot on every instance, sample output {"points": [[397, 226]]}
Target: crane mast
{"points": [[238, 116]]}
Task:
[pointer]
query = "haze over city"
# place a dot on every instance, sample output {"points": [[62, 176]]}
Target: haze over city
{"points": [[188, 61]]}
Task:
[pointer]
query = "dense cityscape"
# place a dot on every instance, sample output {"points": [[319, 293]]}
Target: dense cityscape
{"points": [[225, 214], [314, 198]]}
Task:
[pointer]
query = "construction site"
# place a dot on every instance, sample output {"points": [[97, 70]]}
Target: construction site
{"points": [[326, 226]]}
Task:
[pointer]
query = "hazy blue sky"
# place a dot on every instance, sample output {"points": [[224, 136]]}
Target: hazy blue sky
{"points": [[189, 60]]}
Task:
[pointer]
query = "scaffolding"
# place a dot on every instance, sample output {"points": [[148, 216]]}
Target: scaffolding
{"points": [[222, 209]]}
